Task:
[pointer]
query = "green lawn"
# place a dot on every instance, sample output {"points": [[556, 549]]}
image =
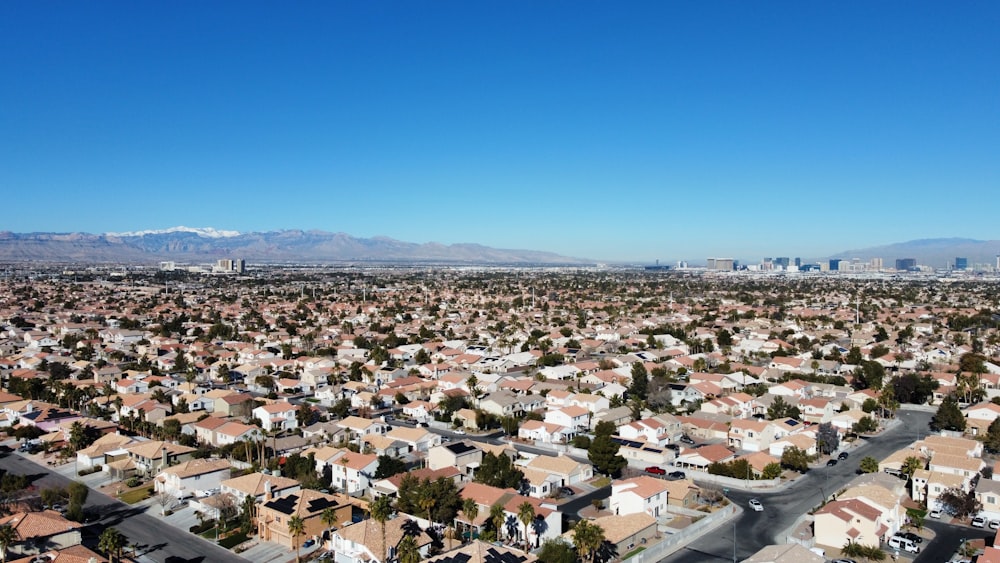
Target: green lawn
{"points": [[601, 482], [136, 495], [633, 552]]}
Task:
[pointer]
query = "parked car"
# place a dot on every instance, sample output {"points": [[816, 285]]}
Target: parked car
{"points": [[897, 542], [756, 505], [910, 536], [831, 462], [309, 543], [687, 439], [656, 470], [844, 561], [676, 475], [979, 522], [842, 456], [567, 491], [995, 524], [936, 513], [459, 431]]}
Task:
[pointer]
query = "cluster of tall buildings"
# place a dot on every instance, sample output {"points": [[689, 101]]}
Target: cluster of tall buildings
{"points": [[229, 265]]}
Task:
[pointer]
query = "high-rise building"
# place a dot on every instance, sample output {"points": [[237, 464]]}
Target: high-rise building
{"points": [[835, 264], [798, 262], [961, 263], [906, 264], [720, 264], [875, 264], [782, 261]]}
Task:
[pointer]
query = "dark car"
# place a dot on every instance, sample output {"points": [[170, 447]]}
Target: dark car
{"points": [[656, 470], [676, 475], [831, 462], [567, 491], [308, 543], [842, 456], [687, 439], [910, 536]]}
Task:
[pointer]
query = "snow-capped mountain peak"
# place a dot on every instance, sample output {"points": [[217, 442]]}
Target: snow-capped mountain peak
{"points": [[207, 232]]}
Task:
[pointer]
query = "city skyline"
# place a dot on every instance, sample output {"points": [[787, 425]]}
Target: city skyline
{"points": [[640, 132]]}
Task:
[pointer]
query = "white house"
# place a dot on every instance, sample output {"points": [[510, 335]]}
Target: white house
{"points": [[639, 494]]}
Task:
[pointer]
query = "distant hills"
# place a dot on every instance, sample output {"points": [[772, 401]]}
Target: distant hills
{"points": [[936, 252], [185, 244]]}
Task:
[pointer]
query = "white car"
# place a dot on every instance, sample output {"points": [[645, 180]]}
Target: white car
{"points": [[936, 513], [995, 524], [979, 522], [756, 505]]}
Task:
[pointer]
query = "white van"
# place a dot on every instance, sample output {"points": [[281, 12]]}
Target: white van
{"points": [[897, 542]]}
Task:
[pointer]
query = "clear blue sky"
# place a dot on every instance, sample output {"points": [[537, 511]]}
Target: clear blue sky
{"points": [[606, 130]]}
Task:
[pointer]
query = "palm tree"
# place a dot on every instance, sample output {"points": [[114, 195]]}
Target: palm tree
{"points": [[408, 550], [111, 542], [8, 537], [381, 508], [588, 539], [296, 527], [526, 514], [427, 503], [329, 518], [471, 509], [497, 516]]}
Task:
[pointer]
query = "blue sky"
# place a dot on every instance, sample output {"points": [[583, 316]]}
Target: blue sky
{"points": [[607, 130]]}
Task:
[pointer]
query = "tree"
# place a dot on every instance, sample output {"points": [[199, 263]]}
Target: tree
{"points": [[992, 442], [296, 528], [389, 466], [781, 409], [526, 514], [381, 509], [603, 454], [8, 537], [556, 551], [305, 415], [408, 551], [959, 503], [869, 375], [869, 407], [605, 428], [329, 518], [588, 539], [868, 465], [470, 508], [639, 388], [870, 552], [949, 416], [499, 471], [771, 471], [497, 516], [111, 542], [795, 459], [865, 425], [827, 438], [910, 466]]}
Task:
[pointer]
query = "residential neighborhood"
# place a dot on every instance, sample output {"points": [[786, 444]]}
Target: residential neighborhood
{"points": [[394, 416]]}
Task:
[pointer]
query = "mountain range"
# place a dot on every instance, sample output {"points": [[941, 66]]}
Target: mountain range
{"points": [[186, 244], [935, 252]]}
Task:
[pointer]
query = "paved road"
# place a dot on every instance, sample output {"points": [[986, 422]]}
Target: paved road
{"points": [[947, 540], [160, 542], [754, 530]]}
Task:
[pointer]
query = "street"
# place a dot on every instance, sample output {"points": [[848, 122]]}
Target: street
{"points": [[158, 542], [754, 530]]}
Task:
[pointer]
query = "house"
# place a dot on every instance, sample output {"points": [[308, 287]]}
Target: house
{"points": [[234, 404], [353, 472], [154, 455], [751, 435], [273, 515], [576, 419], [233, 432], [565, 469], [363, 542], [544, 432], [93, 456], [183, 480], [650, 430], [641, 494], [988, 494], [277, 416], [390, 485], [418, 439], [481, 552], [626, 532], [357, 427], [704, 456], [548, 520], [259, 486], [47, 528], [463, 455], [853, 520]]}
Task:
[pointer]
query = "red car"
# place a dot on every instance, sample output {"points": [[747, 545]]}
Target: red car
{"points": [[656, 470]]}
